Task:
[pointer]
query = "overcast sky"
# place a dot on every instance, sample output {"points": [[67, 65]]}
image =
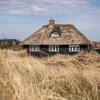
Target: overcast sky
{"points": [[20, 18]]}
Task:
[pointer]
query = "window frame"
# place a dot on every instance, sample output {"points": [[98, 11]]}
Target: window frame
{"points": [[53, 48], [55, 36], [34, 48], [74, 48]]}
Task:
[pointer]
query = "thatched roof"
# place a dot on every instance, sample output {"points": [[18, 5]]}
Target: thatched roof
{"points": [[68, 35]]}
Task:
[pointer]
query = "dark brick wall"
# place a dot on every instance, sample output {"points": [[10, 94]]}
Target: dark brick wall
{"points": [[63, 49]]}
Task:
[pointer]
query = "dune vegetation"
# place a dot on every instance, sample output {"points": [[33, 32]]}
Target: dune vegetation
{"points": [[60, 77]]}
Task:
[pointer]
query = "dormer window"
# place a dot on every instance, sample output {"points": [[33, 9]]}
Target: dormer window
{"points": [[55, 35]]}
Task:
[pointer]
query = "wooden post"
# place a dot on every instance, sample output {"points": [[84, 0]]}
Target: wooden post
{"points": [[88, 48]]}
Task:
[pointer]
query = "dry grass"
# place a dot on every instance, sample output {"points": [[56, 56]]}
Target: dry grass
{"points": [[61, 77]]}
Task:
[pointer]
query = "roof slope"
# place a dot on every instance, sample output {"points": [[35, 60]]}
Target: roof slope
{"points": [[69, 35]]}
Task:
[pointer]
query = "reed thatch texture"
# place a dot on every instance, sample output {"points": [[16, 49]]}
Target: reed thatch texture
{"points": [[69, 34]]}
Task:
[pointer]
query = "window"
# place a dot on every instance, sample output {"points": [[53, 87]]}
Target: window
{"points": [[54, 48], [34, 48], [74, 48], [55, 35]]}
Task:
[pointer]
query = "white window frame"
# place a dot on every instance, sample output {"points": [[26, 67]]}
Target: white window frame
{"points": [[74, 48], [55, 35], [34, 48], [53, 48]]}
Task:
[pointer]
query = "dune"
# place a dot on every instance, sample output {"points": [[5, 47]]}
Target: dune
{"points": [[60, 77]]}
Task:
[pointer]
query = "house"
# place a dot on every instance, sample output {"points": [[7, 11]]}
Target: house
{"points": [[96, 46], [57, 38]]}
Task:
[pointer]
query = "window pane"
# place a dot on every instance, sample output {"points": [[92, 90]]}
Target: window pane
{"points": [[55, 35], [34, 48], [74, 48], [54, 48]]}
